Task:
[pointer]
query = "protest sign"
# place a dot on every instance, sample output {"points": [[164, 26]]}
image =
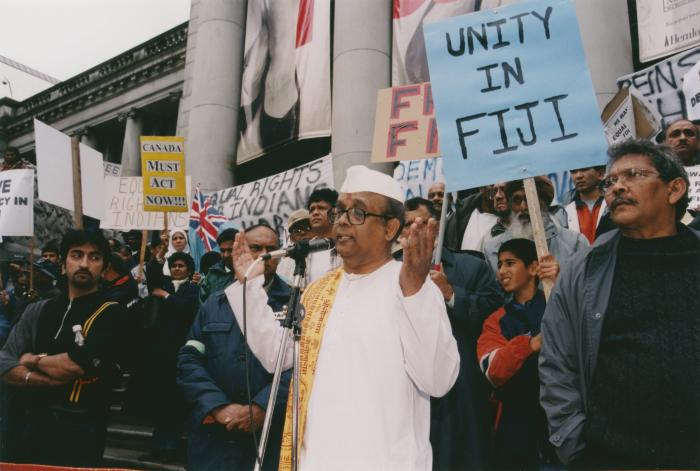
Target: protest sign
{"points": [[123, 207], [691, 90], [270, 200], [404, 125], [17, 203], [506, 109], [627, 116], [694, 189], [111, 169], [661, 85], [416, 176], [55, 171], [163, 170], [667, 26]]}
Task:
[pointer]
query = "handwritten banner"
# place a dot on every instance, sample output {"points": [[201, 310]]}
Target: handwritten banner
{"points": [[404, 125], [17, 203], [694, 189], [123, 207], [513, 95], [691, 90], [163, 170], [271, 200], [662, 85]]}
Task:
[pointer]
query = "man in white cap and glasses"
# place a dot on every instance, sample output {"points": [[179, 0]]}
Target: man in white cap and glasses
{"points": [[376, 341]]}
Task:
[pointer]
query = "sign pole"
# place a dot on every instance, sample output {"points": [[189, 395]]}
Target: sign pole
{"points": [[77, 183], [533, 206], [142, 253], [31, 263], [441, 233]]}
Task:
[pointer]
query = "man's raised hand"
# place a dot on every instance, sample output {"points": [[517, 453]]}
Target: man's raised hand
{"points": [[418, 245], [242, 259]]}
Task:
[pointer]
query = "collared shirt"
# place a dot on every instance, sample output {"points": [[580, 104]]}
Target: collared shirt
{"points": [[588, 216]]}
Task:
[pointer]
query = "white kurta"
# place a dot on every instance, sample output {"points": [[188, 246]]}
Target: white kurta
{"points": [[381, 358]]}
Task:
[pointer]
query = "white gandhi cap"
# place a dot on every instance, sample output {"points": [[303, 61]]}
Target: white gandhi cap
{"points": [[359, 178]]}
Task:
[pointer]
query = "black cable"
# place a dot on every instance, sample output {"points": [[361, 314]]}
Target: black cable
{"points": [[247, 372]]}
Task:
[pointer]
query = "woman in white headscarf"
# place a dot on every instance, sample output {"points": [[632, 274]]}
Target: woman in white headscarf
{"points": [[177, 243]]}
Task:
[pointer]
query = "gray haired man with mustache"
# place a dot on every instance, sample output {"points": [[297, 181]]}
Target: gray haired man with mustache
{"points": [[621, 334]]}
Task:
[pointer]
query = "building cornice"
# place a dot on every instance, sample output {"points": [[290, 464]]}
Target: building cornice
{"points": [[159, 56]]}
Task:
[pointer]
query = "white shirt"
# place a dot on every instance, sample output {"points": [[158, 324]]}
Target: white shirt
{"points": [[478, 227], [381, 358]]}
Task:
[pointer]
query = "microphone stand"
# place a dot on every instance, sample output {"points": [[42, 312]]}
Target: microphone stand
{"points": [[293, 315]]}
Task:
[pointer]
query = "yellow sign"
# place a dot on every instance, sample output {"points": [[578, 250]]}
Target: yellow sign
{"points": [[163, 170]]}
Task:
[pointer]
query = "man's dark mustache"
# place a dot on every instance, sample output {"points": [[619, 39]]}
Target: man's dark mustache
{"points": [[618, 201]]}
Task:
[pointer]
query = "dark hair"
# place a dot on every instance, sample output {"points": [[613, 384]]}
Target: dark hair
{"points": [[50, 248], [207, 260], [126, 247], [117, 244], [117, 264], [395, 210], [226, 235], [184, 257], [328, 195], [664, 160], [413, 204], [76, 237], [545, 189], [523, 249], [661, 136], [599, 168], [12, 149]]}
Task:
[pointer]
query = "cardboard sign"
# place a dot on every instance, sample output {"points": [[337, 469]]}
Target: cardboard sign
{"points": [[665, 27], [272, 199], [661, 85], [111, 169], [17, 203], [163, 170], [627, 116], [513, 96], [694, 189], [55, 171], [404, 125], [123, 207], [691, 90]]}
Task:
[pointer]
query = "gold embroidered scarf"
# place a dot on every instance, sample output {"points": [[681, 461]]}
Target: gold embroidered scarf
{"points": [[318, 302]]}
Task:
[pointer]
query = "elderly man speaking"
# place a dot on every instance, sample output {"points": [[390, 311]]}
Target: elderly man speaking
{"points": [[376, 340]]}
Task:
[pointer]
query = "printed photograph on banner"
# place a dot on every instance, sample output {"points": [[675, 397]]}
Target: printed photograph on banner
{"points": [[286, 85], [272, 199], [665, 27], [124, 211], [404, 124], [163, 170], [661, 85], [504, 109], [17, 203]]}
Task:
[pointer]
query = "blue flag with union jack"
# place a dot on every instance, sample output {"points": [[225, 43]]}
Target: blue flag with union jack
{"points": [[205, 220]]}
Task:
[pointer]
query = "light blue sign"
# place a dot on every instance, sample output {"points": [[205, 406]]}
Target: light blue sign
{"points": [[513, 96]]}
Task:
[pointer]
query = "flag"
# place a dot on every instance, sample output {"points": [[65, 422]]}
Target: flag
{"points": [[205, 220]]}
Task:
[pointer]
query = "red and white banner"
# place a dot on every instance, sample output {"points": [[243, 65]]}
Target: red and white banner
{"points": [[286, 84]]}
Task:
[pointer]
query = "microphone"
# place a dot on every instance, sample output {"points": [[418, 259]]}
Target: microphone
{"points": [[301, 249]]}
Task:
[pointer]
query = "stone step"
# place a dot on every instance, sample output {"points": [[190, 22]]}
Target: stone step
{"points": [[129, 458]]}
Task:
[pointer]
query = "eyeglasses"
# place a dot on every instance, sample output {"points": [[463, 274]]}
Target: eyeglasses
{"points": [[259, 248], [356, 216], [299, 230], [630, 176]]}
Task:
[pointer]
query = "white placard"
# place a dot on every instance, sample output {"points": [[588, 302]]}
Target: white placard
{"points": [[691, 90], [620, 126], [667, 26], [55, 171], [111, 169], [694, 190], [123, 207], [17, 203]]}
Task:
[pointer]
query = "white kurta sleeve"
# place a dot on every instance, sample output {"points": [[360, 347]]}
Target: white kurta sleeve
{"points": [[430, 350], [263, 331]]}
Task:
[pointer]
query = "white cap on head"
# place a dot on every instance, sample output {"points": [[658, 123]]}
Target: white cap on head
{"points": [[359, 178]]}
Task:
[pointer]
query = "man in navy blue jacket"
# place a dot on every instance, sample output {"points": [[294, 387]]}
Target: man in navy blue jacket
{"points": [[211, 374]]}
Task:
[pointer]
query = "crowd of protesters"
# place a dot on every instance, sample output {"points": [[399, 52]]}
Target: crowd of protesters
{"points": [[603, 374]]}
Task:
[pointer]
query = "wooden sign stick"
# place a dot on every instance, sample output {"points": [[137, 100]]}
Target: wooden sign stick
{"points": [[31, 263], [77, 183], [441, 233], [142, 253], [533, 206]]}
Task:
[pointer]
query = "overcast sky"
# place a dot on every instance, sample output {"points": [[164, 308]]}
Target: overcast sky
{"points": [[62, 38]]}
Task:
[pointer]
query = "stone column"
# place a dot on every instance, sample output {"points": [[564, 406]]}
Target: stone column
{"points": [[210, 144], [131, 152], [361, 66]]}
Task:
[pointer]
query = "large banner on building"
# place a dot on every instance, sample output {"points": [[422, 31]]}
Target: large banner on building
{"points": [[662, 85], [272, 199], [504, 109], [408, 61], [666, 27], [286, 84]]}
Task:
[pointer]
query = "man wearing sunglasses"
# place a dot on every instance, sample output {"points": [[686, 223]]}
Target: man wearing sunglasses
{"points": [[621, 333], [376, 340]]}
